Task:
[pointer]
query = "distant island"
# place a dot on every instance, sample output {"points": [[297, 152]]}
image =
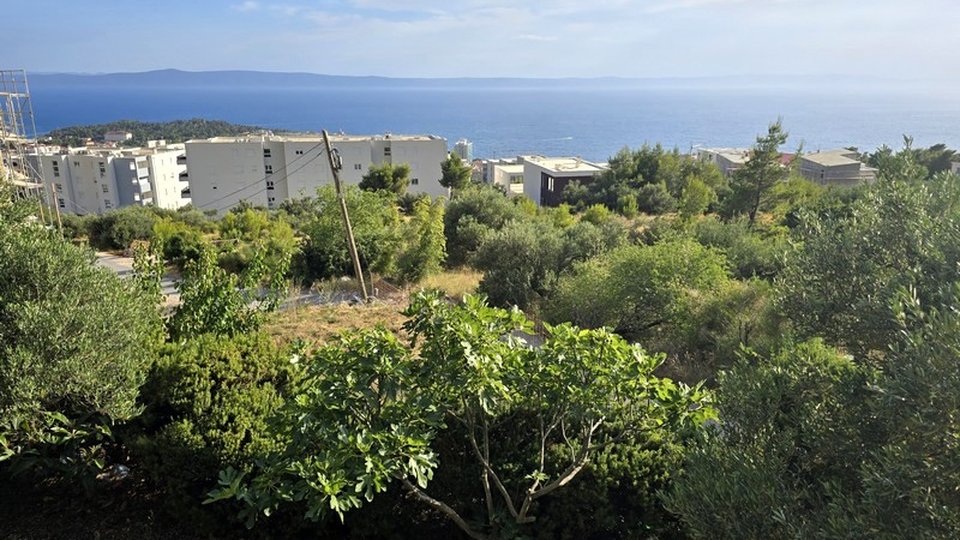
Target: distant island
{"points": [[173, 132], [175, 78]]}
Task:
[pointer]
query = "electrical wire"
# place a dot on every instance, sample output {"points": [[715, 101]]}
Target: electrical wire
{"points": [[261, 190], [260, 180]]}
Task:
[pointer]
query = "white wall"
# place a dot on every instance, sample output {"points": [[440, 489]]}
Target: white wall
{"points": [[165, 180], [223, 174], [217, 168]]}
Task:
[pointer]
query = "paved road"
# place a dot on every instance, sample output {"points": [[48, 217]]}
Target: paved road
{"points": [[123, 266]]}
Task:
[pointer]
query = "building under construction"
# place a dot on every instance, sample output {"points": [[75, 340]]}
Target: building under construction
{"points": [[18, 138]]}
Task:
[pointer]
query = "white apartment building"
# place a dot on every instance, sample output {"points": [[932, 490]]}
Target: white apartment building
{"points": [[544, 179], [728, 160], [266, 169], [96, 180], [464, 149], [836, 167]]}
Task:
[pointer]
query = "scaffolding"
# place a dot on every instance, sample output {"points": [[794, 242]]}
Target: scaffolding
{"points": [[18, 139]]}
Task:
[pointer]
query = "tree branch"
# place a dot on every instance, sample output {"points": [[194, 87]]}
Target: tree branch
{"points": [[496, 479], [437, 505]]}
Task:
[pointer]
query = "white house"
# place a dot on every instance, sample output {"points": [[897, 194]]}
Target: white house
{"points": [[728, 160], [265, 169], [836, 167]]}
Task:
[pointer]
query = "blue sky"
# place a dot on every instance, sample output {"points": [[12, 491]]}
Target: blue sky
{"points": [[534, 38]]}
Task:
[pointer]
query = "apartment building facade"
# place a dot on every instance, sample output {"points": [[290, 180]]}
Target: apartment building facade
{"points": [[97, 180], [265, 169]]}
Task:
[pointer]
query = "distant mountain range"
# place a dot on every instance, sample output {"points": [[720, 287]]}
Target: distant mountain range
{"points": [[173, 78]]}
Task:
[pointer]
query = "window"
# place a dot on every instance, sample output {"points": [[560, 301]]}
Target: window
{"points": [[61, 203], [76, 163], [550, 183], [268, 169], [105, 188], [271, 200], [414, 181], [59, 188], [358, 167], [107, 204], [299, 152], [56, 173], [266, 152], [386, 150], [269, 184], [55, 164], [516, 179]]}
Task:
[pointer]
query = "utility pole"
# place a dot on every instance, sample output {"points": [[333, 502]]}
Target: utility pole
{"points": [[335, 165]]}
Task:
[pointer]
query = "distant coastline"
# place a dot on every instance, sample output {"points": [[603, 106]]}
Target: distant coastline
{"points": [[174, 78], [589, 118]]}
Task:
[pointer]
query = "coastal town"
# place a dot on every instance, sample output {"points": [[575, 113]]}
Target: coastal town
{"points": [[265, 169], [480, 270]]}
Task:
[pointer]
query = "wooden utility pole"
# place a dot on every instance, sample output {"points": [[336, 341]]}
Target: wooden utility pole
{"points": [[335, 165]]}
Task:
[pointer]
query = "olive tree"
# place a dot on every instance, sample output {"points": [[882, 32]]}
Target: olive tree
{"points": [[75, 344]]}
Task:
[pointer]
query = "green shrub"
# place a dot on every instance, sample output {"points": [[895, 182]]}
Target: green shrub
{"points": [[119, 228], [375, 221], [75, 226], [656, 199], [474, 213], [752, 251], [180, 242], [75, 344], [424, 246], [208, 402]]}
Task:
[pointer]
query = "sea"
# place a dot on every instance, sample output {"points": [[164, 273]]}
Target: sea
{"points": [[592, 123]]}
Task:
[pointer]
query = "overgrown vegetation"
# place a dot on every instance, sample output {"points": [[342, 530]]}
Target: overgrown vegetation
{"points": [[671, 354]]}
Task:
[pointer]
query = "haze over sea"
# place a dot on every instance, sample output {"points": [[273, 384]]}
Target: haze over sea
{"points": [[552, 119]]}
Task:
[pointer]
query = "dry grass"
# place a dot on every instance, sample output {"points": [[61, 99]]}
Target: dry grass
{"points": [[453, 283], [323, 324]]}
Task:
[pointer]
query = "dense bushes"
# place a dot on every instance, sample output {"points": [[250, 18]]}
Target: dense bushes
{"points": [[373, 408], [522, 261], [75, 344], [813, 443], [752, 251], [840, 280], [119, 228], [470, 217], [375, 222], [208, 402]]}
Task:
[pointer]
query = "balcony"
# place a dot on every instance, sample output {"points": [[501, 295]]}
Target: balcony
{"points": [[181, 160]]}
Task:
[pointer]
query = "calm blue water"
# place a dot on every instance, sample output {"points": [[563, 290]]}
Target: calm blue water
{"points": [[590, 123]]}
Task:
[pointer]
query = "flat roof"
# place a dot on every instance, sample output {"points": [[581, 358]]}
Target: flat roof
{"points": [[831, 158], [511, 169], [314, 138], [736, 155], [564, 164]]}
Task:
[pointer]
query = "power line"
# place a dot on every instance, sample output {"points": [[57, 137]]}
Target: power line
{"points": [[261, 190], [264, 179]]}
